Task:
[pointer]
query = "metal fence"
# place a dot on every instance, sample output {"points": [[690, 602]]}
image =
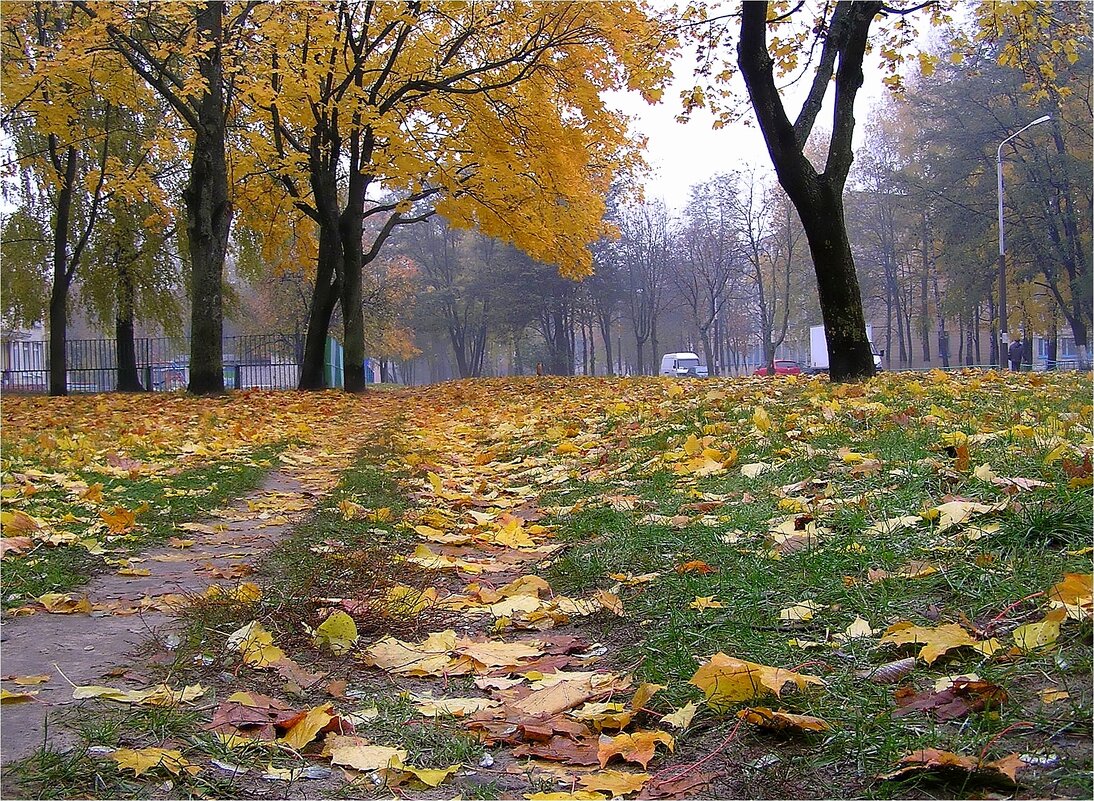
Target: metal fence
{"points": [[262, 361]]}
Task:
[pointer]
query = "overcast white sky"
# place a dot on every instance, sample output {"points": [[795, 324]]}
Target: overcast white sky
{"points": [[683, 154]]}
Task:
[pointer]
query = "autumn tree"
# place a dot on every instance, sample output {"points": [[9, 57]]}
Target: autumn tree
{"points": [[826, 48], [645, 250], [770, 240], [180, 50], [487, 113], [60, 123]]}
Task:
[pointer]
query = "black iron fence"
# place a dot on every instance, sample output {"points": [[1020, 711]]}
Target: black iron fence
{"points": [[262, 361]]}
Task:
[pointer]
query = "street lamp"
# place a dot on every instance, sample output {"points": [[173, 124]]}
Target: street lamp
{"points": [[1002, 246]]}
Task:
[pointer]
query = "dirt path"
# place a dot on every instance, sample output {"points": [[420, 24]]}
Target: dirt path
{"points": [[129, 611]]}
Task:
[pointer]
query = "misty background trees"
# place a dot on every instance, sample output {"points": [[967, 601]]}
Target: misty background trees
{"points": [[98, 237]]}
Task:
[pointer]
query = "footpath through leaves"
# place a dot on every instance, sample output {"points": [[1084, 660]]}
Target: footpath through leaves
{"points": [[550, 588]]}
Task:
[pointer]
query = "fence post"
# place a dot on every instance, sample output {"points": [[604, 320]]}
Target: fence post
{"points": [[238, 376]]}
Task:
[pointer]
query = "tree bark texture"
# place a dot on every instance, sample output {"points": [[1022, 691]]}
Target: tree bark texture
{"points": [[818, 198], [208, 213]]}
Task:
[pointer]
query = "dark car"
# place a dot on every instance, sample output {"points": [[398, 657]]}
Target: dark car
{"points": [[782, 367]]}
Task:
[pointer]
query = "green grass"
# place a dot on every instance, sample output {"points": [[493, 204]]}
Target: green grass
{"points": [[977, 582], [174, 499]]}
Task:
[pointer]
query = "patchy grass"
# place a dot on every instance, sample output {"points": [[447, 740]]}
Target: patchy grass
{"points": [[758, 494], [85, 542], [991, 583]]}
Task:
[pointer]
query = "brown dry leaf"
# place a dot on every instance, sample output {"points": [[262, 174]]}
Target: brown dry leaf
{"points": [[676, 786], [726, 681], [782, 721], [558, 697], [949, 766], [636, 747], [610, 601], [960, 699]]}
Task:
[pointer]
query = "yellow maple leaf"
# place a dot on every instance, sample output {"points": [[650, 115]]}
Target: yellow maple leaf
{"points": [[935, 641], [681, 718], [637, 747], [782, 721], [617, 782], [726, 680]]}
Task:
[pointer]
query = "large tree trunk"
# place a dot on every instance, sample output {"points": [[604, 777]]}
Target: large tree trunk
{"points": [[818, 197], [849, 354], [208, 213], [125, 342], [62, 278]]}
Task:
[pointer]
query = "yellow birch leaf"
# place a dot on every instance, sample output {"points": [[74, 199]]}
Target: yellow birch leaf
{"points": [[1042, 634], [338, 632], [142, 760]]}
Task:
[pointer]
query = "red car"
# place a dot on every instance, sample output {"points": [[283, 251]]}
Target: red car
{"points": [[782, 367]]}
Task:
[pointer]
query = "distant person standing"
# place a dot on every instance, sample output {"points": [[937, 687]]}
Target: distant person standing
{"points": [[1014, 353]]}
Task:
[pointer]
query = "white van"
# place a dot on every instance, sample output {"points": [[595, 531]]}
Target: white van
{"points": [[681, 365]]}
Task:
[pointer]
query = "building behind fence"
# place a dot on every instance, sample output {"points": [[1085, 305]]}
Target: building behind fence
{"points": [[263, 361]]}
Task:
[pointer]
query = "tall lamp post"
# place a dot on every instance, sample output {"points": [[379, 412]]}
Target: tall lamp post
{"points": [[1003, 339]]}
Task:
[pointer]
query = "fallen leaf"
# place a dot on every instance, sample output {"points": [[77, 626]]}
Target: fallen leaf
{"points": [[702, 602], [635, 747], [695, 566], [142, 760], [616, 782], [782, 721], [681, 718], [951, 767], [338, 632], [935, 641], [310, 724], [8, 697], [357, 753], [726, 680], [800, 612], [1043, 634]]}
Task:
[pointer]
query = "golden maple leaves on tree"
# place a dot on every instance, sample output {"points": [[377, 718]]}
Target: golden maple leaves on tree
{"points": [[347, 119]]}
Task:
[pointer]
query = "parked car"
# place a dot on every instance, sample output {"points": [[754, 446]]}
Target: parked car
{"points": [[681, 365], [782, 367]]}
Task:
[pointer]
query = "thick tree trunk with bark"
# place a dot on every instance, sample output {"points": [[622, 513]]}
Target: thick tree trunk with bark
{"points": [[208, 213], [124, 337], [818, 197], [849, 354], [62, 279]]}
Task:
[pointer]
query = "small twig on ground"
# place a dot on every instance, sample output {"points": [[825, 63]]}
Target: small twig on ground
{"points": [[696, 765], [992, 623], [1022, 724]]}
